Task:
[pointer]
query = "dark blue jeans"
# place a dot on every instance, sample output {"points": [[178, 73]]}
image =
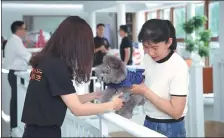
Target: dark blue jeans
{"points": [[171, 130]]}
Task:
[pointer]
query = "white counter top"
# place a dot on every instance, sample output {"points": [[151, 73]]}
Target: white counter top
{"points": [[32, 50]]}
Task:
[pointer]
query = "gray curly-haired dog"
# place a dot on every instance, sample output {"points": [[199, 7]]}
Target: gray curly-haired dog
{"points": [[118, 78]]}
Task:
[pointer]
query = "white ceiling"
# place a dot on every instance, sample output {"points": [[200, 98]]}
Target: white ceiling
{"points": [[89, 6]]}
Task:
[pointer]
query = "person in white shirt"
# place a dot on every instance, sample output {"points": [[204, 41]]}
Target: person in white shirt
{"points": [[16, 59], [166, 79]]}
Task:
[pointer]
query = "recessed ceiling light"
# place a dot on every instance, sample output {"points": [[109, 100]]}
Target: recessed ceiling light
{"points": [[28, 5], [153, 4]]}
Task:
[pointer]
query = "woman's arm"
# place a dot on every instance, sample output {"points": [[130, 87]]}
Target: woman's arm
{"points": [[173, 107], [97, 49], [101, 48], [88, 97], [77, 108], [127, 55]]}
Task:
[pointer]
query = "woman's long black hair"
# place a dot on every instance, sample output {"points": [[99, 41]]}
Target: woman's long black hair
{"points": [[73, 43]]}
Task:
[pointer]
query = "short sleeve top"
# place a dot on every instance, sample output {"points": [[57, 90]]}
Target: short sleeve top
{"points": [[43, 103]]}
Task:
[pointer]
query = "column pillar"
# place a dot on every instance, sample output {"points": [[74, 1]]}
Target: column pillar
{"points": [[140, 20], [218, 71], [121, 19], [195, 115], [93, 22]]}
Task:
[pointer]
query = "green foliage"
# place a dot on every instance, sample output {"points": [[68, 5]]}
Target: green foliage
{"points": [[203, 51], [194, 23], [190, 46], [205, 35], [202, 39], [188, 28], [198, 21]]}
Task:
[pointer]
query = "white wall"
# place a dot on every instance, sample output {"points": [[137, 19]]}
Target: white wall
{"points": [[8, 17], [49, 19], [50, 23], [47, 23]]}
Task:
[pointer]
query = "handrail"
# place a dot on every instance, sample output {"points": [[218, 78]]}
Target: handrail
{"points": [[129, 126]]}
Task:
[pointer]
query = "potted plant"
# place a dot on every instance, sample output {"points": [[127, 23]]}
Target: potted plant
{"points": [[197, 38]]}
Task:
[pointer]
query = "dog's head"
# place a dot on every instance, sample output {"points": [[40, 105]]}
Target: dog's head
{"points": [[113, 70]]}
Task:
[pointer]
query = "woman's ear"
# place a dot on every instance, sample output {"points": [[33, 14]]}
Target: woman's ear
{"points": [[169, 42]]}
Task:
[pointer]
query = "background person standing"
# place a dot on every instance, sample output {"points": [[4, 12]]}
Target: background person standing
{"points": [[101, 47], [16, 59], [126, 47]]}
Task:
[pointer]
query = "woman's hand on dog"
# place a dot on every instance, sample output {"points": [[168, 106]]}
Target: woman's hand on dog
{"points": [[117, 102], [139, 89]]}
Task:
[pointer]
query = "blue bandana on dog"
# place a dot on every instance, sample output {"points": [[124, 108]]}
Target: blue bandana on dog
{"points": [[134, 76]]}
